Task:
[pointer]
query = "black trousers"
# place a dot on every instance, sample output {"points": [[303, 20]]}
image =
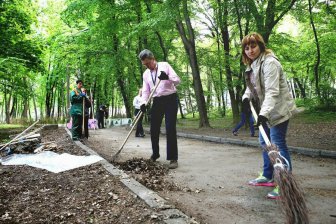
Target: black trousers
{"points": [[86, 126], [164, 106], [139, 129], [101, 122]]}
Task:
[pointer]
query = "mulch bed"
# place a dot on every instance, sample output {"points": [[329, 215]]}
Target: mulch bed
{"points": [[84, 195]]}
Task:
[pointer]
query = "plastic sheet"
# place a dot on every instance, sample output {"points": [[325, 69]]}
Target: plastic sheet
{"points": [[50, 161]]}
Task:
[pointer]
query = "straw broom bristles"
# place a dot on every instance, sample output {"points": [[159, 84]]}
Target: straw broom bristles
{"points": [[292, 196]]}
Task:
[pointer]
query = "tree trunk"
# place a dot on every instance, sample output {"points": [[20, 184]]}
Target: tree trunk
{"points": [[223, 18], [13, 109], [67, 93], [223, 113], [189, 95], [209, 92], [301, 87], [180, 107], [34, 103], [316, 66], [120, 79], [267, 19], [7, 105], [189, 45]]}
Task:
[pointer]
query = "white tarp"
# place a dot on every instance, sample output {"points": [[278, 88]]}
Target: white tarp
{"points": [[50, 161]]}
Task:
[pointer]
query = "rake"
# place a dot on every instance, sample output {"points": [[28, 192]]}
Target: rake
{"points": [[292, 196], [137, 118]]}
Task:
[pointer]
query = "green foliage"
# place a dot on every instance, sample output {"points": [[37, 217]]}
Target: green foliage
{"points": [[10, 126], [17, 41], [316, 105], [98, 41], [314, 116]]}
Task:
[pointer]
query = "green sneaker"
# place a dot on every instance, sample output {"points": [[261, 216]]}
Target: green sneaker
{"points": [[275, 194], [262, 181]]}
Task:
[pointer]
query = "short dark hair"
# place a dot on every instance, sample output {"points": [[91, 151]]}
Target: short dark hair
{"points": [[146, 54], [78, 81]]}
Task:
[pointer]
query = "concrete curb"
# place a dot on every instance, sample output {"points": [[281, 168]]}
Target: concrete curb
{"points": [[300, 150], [166, 211]]}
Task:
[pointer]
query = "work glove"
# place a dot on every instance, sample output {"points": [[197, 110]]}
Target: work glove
{"points": [[82, 94], [163, 76], [262, 121], [143, 108]]}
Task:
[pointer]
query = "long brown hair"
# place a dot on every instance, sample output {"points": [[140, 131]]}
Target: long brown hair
{"points": [[253, 39]]}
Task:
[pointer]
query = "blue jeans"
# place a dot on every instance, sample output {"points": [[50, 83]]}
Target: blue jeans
{"points": [[242, 122], [277, 136]]}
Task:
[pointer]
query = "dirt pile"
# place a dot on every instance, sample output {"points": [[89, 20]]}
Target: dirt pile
{"points": [[148, 173]]}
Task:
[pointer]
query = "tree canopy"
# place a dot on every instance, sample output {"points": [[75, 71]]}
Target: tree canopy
{"points": [[47, 45]]}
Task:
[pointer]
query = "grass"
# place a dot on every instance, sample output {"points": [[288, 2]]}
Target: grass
{"points": [[216, 121], [10, 126], [313, 117]]}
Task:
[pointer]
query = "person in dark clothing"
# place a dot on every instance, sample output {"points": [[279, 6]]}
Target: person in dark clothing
{"points": [[77, 97], [245, 116], [137, 102], [87, 114], [101, 114], [164, 103]]}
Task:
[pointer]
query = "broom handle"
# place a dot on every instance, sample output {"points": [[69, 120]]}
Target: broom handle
{"points": [[19, 135], [138, 116], [261, 128]]}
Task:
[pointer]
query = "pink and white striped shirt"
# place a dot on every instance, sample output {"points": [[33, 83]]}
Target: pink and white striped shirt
{"points": [[166, 87]]}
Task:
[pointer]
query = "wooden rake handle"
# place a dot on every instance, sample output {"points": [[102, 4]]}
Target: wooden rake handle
{"points": [[261, 128], [137, 119]]}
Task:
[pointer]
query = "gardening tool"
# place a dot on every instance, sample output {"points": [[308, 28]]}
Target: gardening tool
{"points": [[292, 196], [19, 135], [83, 117], [137, 118]]}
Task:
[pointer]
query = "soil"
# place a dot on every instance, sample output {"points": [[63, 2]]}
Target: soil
{"points": [[209, 184], [84, 195]]}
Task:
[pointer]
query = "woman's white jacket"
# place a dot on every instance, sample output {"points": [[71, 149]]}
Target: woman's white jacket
{"points": [[267, 77]]}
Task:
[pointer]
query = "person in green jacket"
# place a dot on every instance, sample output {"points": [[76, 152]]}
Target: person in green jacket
{"points": [[76, 111]]}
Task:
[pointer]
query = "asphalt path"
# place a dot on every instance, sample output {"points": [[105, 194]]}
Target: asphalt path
{"points": [[215, 177]]}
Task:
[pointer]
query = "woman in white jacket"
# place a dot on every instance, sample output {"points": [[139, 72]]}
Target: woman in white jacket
{"points": [[268, 89]]}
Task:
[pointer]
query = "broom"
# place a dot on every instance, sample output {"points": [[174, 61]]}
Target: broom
{"points": [[292, 196], [137, 118]]}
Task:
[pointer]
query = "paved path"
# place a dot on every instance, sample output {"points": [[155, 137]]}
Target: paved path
{"points": [[217, 175]]}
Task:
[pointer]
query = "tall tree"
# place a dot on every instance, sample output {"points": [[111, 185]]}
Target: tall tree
{"points": [[269, 14], [186, 32], [318, 53]]}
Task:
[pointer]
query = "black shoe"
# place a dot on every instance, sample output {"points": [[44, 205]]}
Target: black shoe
{"points": [[173, 164], [154, 158]]}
